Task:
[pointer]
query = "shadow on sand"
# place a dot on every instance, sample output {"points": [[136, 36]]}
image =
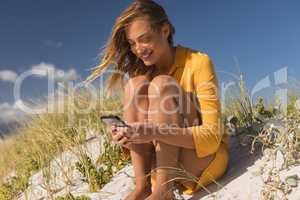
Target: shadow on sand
{"points": [[240, 160]]}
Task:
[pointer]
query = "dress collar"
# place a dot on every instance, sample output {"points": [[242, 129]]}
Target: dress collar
{"points": [[180, 58]]}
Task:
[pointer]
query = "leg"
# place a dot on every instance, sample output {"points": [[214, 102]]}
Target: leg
{"points": [[163, 110], [135, 104], [169, 104], [188, 158]]}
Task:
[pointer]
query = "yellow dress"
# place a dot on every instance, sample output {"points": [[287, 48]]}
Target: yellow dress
{"points": [[195, 73]]}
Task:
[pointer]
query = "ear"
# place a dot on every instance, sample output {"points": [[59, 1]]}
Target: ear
{"points": [[165, 30]]}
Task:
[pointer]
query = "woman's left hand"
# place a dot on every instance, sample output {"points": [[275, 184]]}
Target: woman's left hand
{"points": [[138, 133]]}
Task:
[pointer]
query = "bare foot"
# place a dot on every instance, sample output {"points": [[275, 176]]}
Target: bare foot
{"points": [[139, 194], [161, 195]]}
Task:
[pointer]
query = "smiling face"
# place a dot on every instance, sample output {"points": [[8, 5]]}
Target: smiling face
{"points": [[146, 43]]}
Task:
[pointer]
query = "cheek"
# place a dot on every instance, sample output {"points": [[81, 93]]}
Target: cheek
{"points": [[161, 44], [158, 48]]}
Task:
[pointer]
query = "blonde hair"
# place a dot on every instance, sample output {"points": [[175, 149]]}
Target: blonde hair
{"points": [[117, 50]]}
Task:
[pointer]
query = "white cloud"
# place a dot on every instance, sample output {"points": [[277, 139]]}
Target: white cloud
{"points": [[52, 43], [16, 112], [8, 75], [9, 112], [12, 112], [5, 106], [44, 69]]}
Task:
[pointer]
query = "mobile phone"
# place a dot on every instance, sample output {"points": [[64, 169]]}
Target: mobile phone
{"points": [[113, 120]]}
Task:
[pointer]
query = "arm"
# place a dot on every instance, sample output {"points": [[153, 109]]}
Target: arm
{"points": [[207, 137], [181, 137], [204, 138]]}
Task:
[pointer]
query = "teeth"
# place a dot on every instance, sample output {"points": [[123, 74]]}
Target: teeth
{"points": [[146, 55]]}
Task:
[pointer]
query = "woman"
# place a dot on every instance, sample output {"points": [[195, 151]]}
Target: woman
{"points": [[162, 99]]}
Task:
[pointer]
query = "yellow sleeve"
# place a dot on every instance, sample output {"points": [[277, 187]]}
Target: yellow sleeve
{"points": [[208, 135]]}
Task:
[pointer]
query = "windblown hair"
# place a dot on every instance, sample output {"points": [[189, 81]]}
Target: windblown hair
{"points": [[117, 51]]}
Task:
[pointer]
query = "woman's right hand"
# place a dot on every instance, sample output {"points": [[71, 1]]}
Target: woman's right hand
{"points": [[117, 137]]}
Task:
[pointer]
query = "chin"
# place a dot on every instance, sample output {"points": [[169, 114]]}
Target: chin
{"points": [[148, 63]]}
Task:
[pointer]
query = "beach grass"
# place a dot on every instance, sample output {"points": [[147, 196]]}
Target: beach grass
{"points": [[44, 136]]}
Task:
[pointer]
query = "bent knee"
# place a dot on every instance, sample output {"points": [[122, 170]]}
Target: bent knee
{"points": [[137, 85]]}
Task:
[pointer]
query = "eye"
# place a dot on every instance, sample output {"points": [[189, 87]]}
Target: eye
{"points": [[131, 44], [146, 39]]}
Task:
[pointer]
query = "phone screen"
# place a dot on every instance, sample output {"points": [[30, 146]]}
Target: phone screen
{"points": [[113, 120]]}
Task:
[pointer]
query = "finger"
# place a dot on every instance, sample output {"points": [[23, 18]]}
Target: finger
{"points": [[113, 127], [135, 141], [123, 141], [113, 130], [121, 129], [117, 137], [127, 145], [127, 131]]}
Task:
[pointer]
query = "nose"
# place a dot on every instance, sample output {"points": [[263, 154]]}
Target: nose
{"points": [[139, 48]]}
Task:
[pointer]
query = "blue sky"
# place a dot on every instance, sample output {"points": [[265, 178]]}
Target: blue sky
{"points": [[263, 36]]}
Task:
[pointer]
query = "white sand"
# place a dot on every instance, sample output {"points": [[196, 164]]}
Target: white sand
{"points": [[242, 180]]}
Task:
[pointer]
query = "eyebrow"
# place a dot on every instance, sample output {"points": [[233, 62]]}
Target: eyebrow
{"points": [[141, 35]]}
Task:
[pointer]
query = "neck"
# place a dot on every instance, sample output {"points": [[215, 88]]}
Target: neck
{"points": [[165, 64]]}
